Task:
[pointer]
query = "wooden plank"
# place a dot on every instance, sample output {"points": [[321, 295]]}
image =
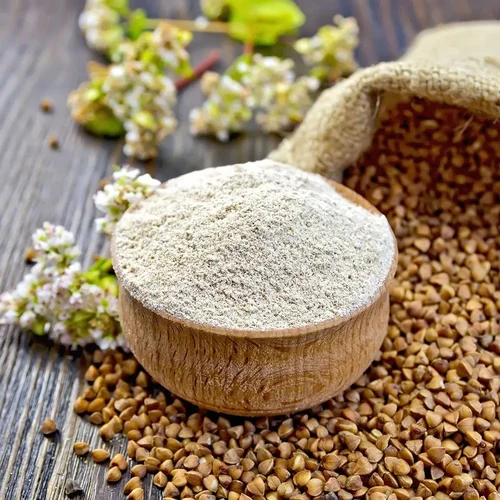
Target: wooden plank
{"points": [[43, 55]]}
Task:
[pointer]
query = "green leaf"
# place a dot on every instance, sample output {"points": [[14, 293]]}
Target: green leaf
{"points": [[184, 69], [149, 56], [104, 123], [137, 23], [110, 284], [235, 71], [98, 269], [81, 316], [215, 10], [120, 6], [262, 22], [101, 273]]}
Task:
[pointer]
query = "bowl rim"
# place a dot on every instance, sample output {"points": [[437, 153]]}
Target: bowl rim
{"points": [[297, 331]]}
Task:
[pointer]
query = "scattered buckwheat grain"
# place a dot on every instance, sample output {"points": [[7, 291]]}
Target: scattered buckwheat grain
{"points": [[100, 455], [48, 427], [53, 142], [46, 105], [81, 448]]}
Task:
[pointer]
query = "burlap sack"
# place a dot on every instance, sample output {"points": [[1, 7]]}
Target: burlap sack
{"points": [[455, 64]]}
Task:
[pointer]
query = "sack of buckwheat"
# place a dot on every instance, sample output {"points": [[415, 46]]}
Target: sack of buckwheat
{"points": [[455, 64]]}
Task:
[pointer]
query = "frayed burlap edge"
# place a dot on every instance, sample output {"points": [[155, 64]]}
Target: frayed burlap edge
{"points": [[340, 125]]}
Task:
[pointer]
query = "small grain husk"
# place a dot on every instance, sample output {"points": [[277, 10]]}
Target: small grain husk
{"points": [[48, 427], [81, 448]]}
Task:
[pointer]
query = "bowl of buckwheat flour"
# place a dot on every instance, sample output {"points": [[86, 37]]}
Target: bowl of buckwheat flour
{"points": [[254, 289]]}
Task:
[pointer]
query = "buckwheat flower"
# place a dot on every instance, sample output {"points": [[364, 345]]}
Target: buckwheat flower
{"points": [[133, 96], [288, 106], [169, 42], [128, 98], [101, 25], [226, 109], [162, 49], [114, 199], [331, 50], [262, 76], [144, 102], [54, 245], [57, 298], [265, 85], [26, 319], [88, 108]]}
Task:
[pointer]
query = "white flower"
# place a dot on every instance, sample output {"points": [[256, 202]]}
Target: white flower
{"points": [[144, 101], [331, 50], [100, 224], [201, 22], [9, 317], [128, 187], [106, 343], [55, 297], [65, 339], [169, 43], [134, 90], [288, 105], [219, 115], [126, 173], [147, 181], [96, 333], [264, 84], [117, 72], [102, 200], [100, 25]]}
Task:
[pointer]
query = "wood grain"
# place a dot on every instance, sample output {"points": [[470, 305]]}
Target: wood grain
{"points": [[253, 376], [42, 54]]}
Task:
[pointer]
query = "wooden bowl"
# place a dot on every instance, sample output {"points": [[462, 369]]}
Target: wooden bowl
{"points": [[249, 372]]}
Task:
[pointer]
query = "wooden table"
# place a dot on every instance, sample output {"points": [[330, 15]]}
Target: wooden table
{"points": [[42, 54]]}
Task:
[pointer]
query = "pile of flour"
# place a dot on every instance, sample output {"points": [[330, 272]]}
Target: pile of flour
{"points": [[258, 246]]}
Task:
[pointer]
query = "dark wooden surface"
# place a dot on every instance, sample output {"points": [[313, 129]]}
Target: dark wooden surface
{"points": [[42, 54]]}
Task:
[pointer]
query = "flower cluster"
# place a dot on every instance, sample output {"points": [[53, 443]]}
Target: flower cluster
{"points": [[266, 85], [143, 102], [261, 75], [100, 23], [164, 49], [289, 104], [128, 187], [58, 299], [127, 98], [133, 95], [88, 106], [331, 50], [225, 110]]}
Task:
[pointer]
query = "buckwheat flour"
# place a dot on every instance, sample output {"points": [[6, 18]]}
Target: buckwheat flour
{"points": [[254, 246]]}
